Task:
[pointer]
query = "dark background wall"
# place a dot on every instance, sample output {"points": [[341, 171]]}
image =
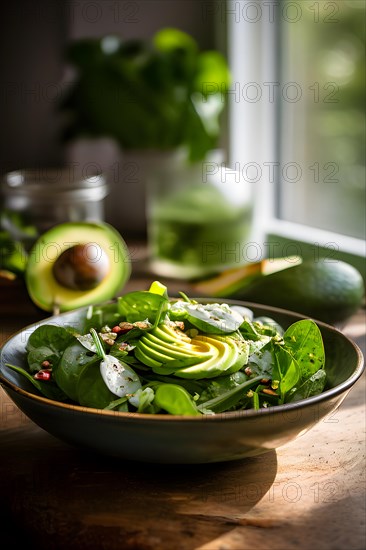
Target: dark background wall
{"points": [[32, 39]]}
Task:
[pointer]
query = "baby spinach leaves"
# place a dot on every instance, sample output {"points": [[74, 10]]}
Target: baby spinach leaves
{"points": [[67, 373]]}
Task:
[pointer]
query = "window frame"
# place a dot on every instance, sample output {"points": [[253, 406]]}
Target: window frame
{"points": [[261, 36]]}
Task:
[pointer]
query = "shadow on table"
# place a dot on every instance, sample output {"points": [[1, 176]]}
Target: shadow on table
{"points": [[60, 497]]}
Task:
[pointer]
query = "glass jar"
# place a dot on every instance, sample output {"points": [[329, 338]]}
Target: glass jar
{"points": [[47, 197], [199, 218]]}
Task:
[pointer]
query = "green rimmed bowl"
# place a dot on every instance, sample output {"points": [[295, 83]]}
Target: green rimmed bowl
{"points": [[181, 439]]}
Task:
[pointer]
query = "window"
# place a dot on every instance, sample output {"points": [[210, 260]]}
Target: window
{"points": [[297, 118]]}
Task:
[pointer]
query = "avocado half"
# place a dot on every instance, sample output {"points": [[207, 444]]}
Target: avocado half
{"points": [[106, 266]]}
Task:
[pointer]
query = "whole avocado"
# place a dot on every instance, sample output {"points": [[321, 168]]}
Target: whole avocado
{"points": [[329, 291]]}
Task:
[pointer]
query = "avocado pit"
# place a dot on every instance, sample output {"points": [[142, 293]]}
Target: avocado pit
{"points": [[81, 267]]}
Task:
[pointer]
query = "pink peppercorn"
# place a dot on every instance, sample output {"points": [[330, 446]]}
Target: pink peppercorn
{"points": [[43, 375]]}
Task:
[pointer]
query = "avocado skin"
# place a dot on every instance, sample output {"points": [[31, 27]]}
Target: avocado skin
{"points": [[329, 291]]}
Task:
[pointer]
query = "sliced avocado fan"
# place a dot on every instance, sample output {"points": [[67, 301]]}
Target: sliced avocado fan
{"points": [[167, 350]]}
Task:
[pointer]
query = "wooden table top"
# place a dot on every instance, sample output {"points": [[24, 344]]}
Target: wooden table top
{"points": [[308, 493]]}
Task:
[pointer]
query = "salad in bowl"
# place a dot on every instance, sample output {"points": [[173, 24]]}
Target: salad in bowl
{"points": [[146, 353]]}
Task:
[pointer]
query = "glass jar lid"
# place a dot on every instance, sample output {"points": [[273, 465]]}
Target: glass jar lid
{"points": [[60, 184]]}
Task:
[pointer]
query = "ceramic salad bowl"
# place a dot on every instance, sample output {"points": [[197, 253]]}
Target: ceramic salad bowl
{"points": [[165, 438]]}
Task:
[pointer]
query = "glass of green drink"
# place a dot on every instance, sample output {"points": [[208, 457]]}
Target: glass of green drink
{"points": [[199, 218]]}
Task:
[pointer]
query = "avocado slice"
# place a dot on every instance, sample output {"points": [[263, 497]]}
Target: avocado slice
{"points": [[177, 350], [155, 350], [228, 359], [242, 356], [155, 353], [77, 264], [171, 334], [200, 357], [146, 359]]}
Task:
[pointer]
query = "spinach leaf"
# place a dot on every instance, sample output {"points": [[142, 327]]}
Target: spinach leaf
{"points": [[132, 336], [192, 386], [13, 256], [48, 389], [122, 355], [249, 331], [145, 400], [68, 370], [52, 336], [141, 305], [16, 236], [266, 325], [222, 385], [305, 342], [209, 318], [99, 316], [119, 404], [91, 388], [175, 399], [261, 362], [119, 377], [312, 386], [286, 371], [230, 399], [47, 343], [36, 357]]}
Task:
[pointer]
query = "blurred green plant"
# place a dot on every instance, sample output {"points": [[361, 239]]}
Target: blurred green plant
{"points": [[15, 233], [160, 94]]}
